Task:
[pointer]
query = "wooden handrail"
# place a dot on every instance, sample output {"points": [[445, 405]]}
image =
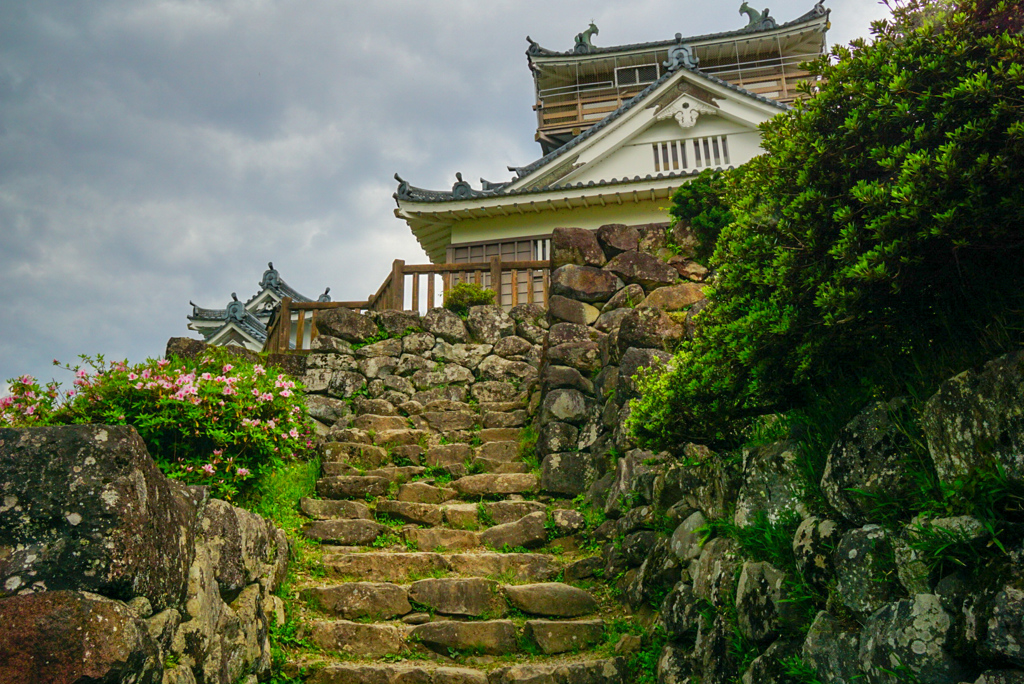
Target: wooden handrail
{"points": [[515, 282]]}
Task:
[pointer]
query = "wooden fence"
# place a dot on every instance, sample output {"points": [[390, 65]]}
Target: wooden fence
{"points": [[514, 282]]}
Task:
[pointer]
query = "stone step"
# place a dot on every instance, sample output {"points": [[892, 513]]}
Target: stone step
{"points": [[396, 567], [355, 600], [345, 532], [441, 539], [375, 423], [423, 492], [460, 597], [501, 434], [581, 671], [349, 434], [352, 486], [560, 636], [488, 466], [358, 639], [328, 509], [488, 637], [459, 516], [353, 453], [491, 484], [499, 451], [447, 454], [389, 472], [504, 419], [552, 599], [527, 532], [405, 436], [447, 421]]}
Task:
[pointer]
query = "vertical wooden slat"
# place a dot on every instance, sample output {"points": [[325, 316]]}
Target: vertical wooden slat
{"points": [[430, 291], [479, 275], [529, 286], [416, 292], [515, 287], [286, 324], [446, 284], [496, 277], [398, 285], [313, 332], [545, 279], [300, 330]]}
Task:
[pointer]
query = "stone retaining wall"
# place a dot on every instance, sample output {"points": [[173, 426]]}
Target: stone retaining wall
{"points": [[111, 572]]}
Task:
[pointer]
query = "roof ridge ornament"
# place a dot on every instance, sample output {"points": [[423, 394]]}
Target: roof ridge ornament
{"points": [[680, 55], [235, 310], [583, 44], [325, 297], [461, 189], [758, 20], [271, 278]]}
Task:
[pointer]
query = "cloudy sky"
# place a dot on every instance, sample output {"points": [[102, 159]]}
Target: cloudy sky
{"points": [[159, 151]]}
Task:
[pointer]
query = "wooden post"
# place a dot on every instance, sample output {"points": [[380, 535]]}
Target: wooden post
{"points": [[515, 287], [496, 278], [430, 291], [286, 324], [398, 285], [300, 330], [415, 292], [529, 286]]}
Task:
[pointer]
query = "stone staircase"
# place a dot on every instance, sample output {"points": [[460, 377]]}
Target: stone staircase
{"points": [[438, 563]]}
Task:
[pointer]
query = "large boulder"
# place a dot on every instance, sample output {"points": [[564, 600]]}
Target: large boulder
{"points": [[575, 246], [569, 473], [632, 362], [617, 238], [396, 323], [865, 569], [772, 485], [583, 356], [584, 283], [759, 602], [69, 636], [913, 635], [832, 650], [642, 269], [1006, 625], [869, 456], [814, 544], [346, 324], [531, 321], [571, 310], [649, 328], [976, 421], [445, 324], [488, 324], [676, 297], [85, 507]]}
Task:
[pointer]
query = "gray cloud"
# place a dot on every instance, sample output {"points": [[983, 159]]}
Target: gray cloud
{"points": [[153, 153]]}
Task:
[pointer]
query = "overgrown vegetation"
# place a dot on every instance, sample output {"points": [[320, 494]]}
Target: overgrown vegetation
{"points": [[881, 227], [459, 298], [218, 420]]}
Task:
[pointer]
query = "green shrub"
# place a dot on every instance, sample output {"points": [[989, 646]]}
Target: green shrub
{"points": [[464, 295], [218, 421], [882, 225], [702, 205]]}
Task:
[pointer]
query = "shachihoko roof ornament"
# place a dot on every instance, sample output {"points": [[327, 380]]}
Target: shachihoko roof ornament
{"points": [[758, 20], [583, 44]]}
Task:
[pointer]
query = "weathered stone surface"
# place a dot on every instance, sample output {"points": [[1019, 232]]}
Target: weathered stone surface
{"points": [[345, 383], [1005, 635], [566, 405], [85, 507], [680, 612], [397, 322], [687, 541], [634, 361], [353, 600], [378, 366], [759, 610], [500, 434], [498, 369], [642, 269], [421, 492], [353, 453], [447, 454], [488, 324], [571, 310], [461, 516], [325, 509], [914, 634], [382, 566], [559, 377], [628, 297], [513, 347], [575, 246], [676, 297], [239, 544], [584, 283], [407, 511], [868, 455], [493, 637], [388, 347], [496, 484], [714, 571], [439, 538], [560, 333], [617, 238], [473, 597], [326, 409], [568, 521], [569, 472], [583, 356], [525, 567], [558, 636], [976, 421], [658, 573], [674, 665], [383, 673], [346, 324], [649, 328], [606, 671], [345, 532], [865, 570], [688, 269], [351, 487], [556, 437], [628, 470], [502, 419], [325, 344], [814, 546], [510, 511], [418, 344], [771, 666], [448, 374], [444, 421], [488, 391], [531, 322], [67, 636], [832, 651], [358, 639], [527, 532], [1001, 677], [611, 321], [502, 451], [713, 652], [446, 325], [772, 484], [553, 599]]}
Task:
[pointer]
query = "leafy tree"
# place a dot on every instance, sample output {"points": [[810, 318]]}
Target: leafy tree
{"points": [[701, 204], [886, 217]]}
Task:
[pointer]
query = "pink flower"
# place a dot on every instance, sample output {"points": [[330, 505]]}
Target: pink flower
{"points": [[163, 362], [209, 469], [242, 472], [267, 397], [259, 370], [81, 374], [133, 376], [228, 367], [285, 393], [293, 433], [206, 376], [146, 374], [138, 385]]}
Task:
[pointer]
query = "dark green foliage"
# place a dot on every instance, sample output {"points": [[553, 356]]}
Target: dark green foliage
{"points": [[701, 204], [464, 295], [882, 224]]}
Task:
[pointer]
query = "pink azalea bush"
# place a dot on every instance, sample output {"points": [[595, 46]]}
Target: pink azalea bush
{"points": [[219, 421]]}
